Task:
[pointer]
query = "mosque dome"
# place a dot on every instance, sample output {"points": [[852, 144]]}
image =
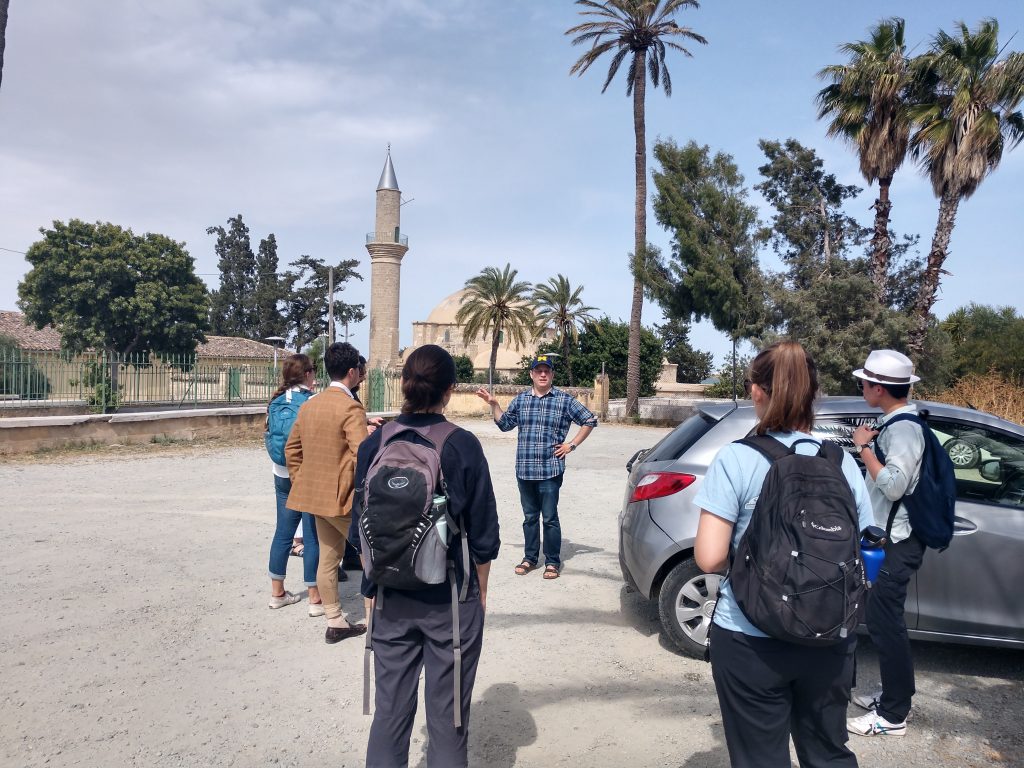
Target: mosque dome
{"points": [[444, 313]]}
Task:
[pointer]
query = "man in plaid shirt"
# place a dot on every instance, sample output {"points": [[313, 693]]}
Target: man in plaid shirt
{"points": [[543, 415]]}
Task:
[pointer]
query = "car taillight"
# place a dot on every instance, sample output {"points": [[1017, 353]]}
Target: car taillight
{"points": [[658, 484]]}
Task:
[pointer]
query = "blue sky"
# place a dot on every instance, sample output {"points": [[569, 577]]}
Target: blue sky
{"points": [[172, 117]]}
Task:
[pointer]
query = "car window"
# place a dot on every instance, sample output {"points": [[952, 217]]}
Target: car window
{"points": [[989, 464], [679, 440], [839, 429]]}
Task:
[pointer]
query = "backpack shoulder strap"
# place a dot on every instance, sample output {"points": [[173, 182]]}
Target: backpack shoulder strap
{"points": [[832, 452], [766, 445], [438, 434]]}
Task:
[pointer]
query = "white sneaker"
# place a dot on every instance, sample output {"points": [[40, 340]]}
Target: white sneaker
{"points": [[286, 599], [868, 701], [316, 609], [873, 724]]}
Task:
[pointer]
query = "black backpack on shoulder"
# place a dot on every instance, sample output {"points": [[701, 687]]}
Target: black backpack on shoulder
{"points": [[797, 572], [932, 506]]}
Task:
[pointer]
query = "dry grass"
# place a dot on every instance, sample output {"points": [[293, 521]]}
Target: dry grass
{"points": [[985, 392]]}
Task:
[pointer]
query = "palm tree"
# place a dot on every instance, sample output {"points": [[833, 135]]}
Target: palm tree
{"points": [[967, 115], [868, 104], [495, 303], [640, 29], [559, 305]]}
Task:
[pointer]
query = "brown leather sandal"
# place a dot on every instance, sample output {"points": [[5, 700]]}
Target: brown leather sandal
{"points": [[551, 572], [525, 567]]}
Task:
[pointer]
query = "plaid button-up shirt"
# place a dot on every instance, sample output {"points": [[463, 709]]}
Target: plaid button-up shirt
{"points": [[543, 424]]}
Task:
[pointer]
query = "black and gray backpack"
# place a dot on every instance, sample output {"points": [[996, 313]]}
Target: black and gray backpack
{"points": [[404, 524], [405, 528], [797, 572]]}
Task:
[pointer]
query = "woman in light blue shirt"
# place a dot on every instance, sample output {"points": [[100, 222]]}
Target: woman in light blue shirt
{"points": [[770, 689]]}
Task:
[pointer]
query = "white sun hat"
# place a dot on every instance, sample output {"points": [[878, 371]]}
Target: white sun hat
{"points": [[887, 366]]}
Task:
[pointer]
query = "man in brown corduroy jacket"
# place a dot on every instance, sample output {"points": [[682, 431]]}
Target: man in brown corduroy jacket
{"points": [[321, 455]]}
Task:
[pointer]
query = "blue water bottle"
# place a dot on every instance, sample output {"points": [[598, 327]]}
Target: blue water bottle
{"points": [[872, 549]]}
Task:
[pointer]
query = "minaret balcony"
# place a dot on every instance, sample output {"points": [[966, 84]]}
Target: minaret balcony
{"points": [[388, 237]]}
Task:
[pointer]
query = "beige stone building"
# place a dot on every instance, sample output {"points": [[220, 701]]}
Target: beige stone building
{"points": [[440, 328]]}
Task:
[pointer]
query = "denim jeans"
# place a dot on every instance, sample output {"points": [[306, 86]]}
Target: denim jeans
{"points": [[540, 500], [287, 522]]}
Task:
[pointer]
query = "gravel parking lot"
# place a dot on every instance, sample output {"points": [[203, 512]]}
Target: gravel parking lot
{"points": [[135, 632]]}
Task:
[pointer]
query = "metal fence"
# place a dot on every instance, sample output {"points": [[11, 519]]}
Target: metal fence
{"points": [[105, 382]]}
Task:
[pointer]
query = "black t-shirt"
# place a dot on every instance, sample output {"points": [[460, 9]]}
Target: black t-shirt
{"points": [[470, 502]]}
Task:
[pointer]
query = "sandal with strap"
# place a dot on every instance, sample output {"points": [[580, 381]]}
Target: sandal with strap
{"points": [[551, 572], [525, 567]]}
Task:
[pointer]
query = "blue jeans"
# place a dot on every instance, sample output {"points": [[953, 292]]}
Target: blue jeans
{"points": [[540, 500], [287, 522]]}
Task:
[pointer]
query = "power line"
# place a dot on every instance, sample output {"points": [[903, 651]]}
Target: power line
{"points": [[11, 250]]}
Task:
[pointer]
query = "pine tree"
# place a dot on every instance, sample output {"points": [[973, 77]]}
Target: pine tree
{"points": [[270, 292], [232, 305]]}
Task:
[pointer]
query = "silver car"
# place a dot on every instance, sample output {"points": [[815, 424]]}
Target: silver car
{"points": [[969, 593]]}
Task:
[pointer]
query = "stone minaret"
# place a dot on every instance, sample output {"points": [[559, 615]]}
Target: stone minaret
{"points": [[387, 245]]}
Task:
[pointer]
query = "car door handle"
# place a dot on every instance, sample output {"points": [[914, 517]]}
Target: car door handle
{"points": [[962, 526]]}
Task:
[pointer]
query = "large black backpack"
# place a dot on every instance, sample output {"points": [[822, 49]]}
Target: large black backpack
{"points": [[797, 573], [932, 506]]}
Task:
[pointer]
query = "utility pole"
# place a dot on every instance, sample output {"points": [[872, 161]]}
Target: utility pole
{"points": [[330, 306]]}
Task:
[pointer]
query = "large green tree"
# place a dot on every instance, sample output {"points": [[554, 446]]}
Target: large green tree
{"points": [[986, 339], [495, 303], [823, 297], [557, 304], [306, 301], [232, 304], [968, 115], [270, 293], [809, 226], [713, 273], [868, 104], [106, 288], [643, 31]]}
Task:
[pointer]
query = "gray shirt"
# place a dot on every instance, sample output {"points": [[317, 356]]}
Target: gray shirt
{"points": [[903, 446]]}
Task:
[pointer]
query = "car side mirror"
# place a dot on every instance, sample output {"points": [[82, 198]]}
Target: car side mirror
{"points": [[991, 470]]}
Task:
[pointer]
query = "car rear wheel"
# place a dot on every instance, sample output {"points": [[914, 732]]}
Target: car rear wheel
{"points": [[964, 455], [685, 605]]}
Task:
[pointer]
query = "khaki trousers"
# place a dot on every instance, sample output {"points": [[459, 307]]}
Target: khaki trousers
{"points": [[332, 532]]}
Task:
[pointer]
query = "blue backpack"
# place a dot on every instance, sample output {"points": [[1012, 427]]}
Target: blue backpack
{"points": [[281, 415], [932, 506]]}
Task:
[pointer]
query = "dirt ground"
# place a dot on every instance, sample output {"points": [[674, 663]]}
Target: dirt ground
{"points": [[135, 632]]}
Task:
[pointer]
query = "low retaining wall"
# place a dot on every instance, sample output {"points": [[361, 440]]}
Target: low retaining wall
{"points": [[23, 434], [33, 433], [658, 411]]}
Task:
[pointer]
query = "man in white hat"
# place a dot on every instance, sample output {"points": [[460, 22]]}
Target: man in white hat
{"points": [[893, 469]]}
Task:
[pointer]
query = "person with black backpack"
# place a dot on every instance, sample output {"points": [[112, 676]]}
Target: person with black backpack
{"points": [[783, 512], [428, 531], [916, 507]]}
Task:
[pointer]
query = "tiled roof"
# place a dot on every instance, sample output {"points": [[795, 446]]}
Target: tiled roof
{"points": [[234, 346], [27, 336]]}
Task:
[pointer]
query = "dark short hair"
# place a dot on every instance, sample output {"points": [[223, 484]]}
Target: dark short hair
{"points": [[898, 391], [340, 358], [428, 373]]}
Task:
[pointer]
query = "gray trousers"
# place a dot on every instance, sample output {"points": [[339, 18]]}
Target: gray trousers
{"points": [[410, 636]]}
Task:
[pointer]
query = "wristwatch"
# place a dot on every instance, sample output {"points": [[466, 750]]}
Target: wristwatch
{"points": [[860, 448], [572, 447]]}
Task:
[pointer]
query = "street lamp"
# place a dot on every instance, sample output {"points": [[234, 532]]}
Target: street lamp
{"points": [[276, 340]]}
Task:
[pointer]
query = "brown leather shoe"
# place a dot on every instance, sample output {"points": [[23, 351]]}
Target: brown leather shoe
{"points": [[337, 634]]}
